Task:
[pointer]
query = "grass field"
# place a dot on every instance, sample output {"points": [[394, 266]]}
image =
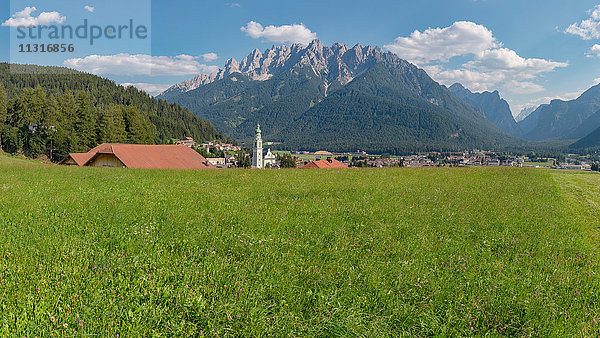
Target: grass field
{"points": [[540, 164], [442, 251]]}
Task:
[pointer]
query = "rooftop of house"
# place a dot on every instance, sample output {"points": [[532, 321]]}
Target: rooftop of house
{"points": [[325, 164], [148, 156]]}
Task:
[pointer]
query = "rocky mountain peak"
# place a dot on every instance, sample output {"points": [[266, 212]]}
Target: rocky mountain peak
{"points": [[495, 108], [338, 63]]}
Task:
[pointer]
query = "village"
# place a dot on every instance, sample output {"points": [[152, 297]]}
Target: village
{"points": [[188, 154], [325, 159]]}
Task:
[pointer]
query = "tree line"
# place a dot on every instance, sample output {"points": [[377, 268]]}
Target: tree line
{"points": [[54, 111], [35, 124]]}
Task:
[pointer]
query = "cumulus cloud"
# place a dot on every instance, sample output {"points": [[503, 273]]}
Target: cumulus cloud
{"points": [[287, 33], [24, 18], [89, 8], [594, 51], [151, 88], [209, 57], [589, 28], [140, 64], [489, 65], [507, 59], [442, 44]]}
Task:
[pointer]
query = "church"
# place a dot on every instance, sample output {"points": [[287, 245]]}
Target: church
{"points": [[260, 161]]}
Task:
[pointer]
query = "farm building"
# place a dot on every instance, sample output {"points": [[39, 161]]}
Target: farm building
{"points": [[78, 159], [325, 164], [139, 157]]}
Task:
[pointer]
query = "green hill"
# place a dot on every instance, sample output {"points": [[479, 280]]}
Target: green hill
{"points": [[53, 110]]}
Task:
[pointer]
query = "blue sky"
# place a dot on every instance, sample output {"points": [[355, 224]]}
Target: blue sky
{"points": [[531, 51]]}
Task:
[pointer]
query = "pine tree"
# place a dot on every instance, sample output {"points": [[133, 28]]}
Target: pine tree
{"points": [[139, 129], [111, 126], [84, 124]]}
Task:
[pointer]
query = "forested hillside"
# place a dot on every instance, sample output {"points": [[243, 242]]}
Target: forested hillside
{"points": [[337, 98], [53, 111]]}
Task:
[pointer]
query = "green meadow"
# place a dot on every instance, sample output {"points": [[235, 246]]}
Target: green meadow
{"points": [[382, 252]]}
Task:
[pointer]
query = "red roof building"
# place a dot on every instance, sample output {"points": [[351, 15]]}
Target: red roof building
{"points": [[77, 159], [325, 164], [140, 156]]}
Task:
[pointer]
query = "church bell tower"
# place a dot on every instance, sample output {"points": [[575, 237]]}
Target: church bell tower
{"points": [[257, 153]]}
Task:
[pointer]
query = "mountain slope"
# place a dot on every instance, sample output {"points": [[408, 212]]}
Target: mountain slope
{"points": [[377, 110], [493, 106], [563, 120], [293, 90], [524, 113], [592, 140]]}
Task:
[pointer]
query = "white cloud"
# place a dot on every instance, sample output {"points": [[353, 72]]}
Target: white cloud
{"points": [[495, 69], [488, 65], [594, 51], [474, 80], [140, 64], [287, 33], [523, 87], [25, 19], [89, 8], [589, 28], [151, 88], [442, 44], [508, 60], [209, 57]]}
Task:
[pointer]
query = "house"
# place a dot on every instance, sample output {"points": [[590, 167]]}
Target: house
{"points": [[140, 156], [220, 162], [188, 142], [78, 159], [325, 164], [323, 153]]}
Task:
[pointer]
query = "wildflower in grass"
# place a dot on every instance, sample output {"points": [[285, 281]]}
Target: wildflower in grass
{"points": [[52, 319]]}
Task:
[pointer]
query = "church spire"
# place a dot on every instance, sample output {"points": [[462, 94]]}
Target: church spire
{"points": [[257, 152]]}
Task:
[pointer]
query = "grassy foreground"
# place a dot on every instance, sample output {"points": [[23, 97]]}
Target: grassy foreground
{"points": [[298, 252]]}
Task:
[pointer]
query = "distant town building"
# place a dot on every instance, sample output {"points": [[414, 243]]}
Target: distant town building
{"points": [[220, 146], [270, 160], [322, 153], [140, 157], [257, 152], [325, 164], [220, 162], [188, 142]]}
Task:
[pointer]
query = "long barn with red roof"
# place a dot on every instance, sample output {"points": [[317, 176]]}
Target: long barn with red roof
{"points": [[139, 156]]}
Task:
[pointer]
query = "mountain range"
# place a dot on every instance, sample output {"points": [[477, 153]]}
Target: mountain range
{"points": [[495, 108], [525, 112], [340, 98], [564, 120]]}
